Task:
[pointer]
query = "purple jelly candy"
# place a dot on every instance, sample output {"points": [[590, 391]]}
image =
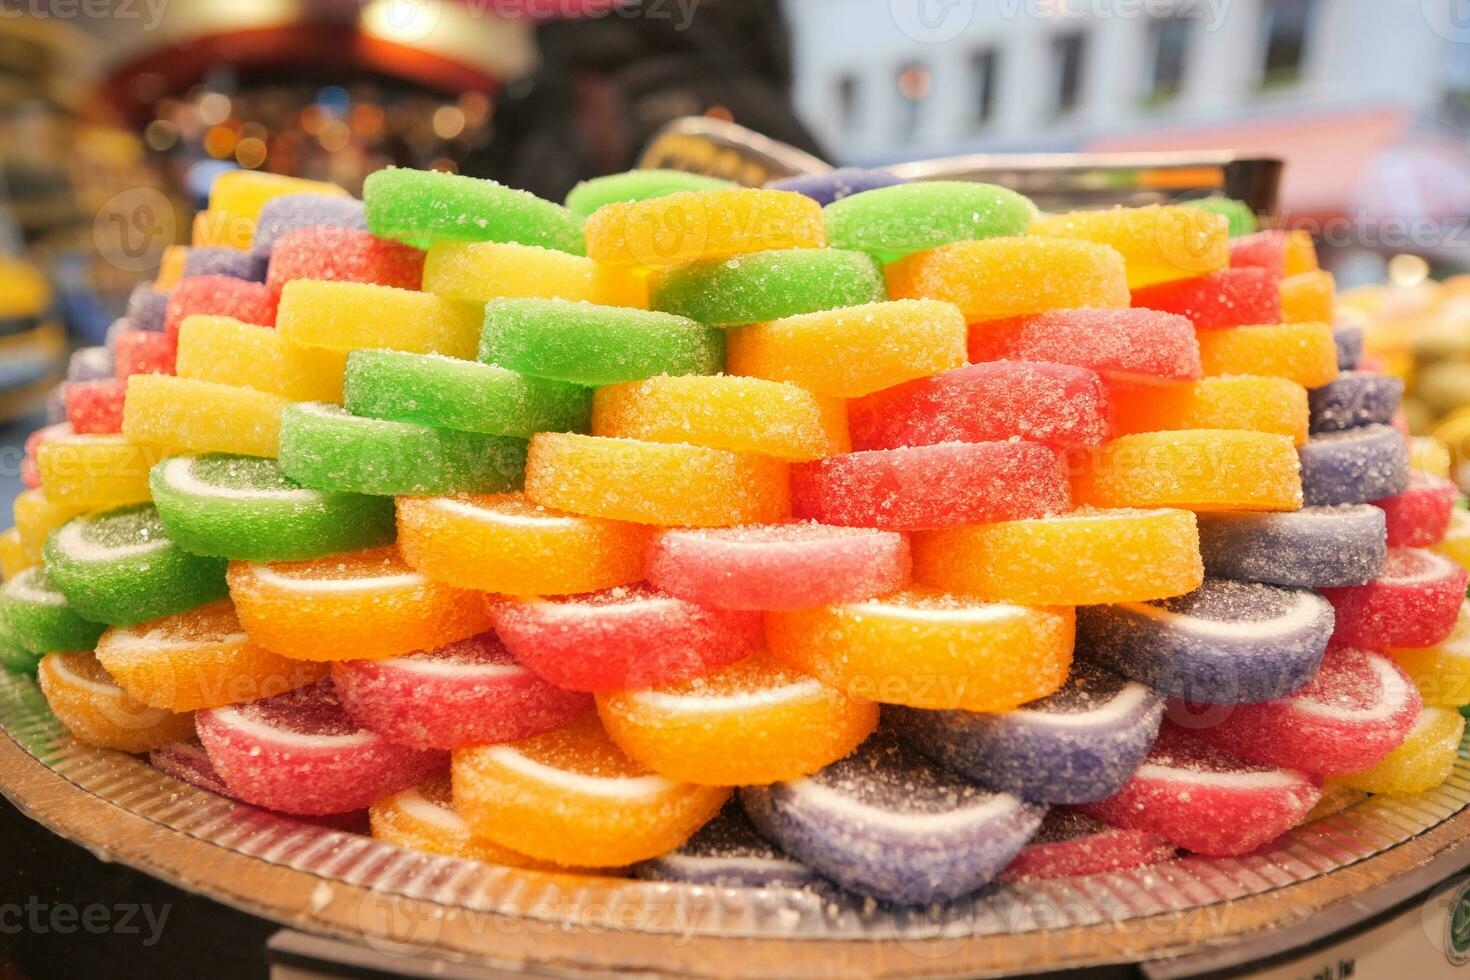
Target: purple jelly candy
{"points": [[1354, 398], [1349, 346], [56, 405], [1311, 548], [728, 852], [888, 823], [1076, 746], [187, 761], [225, 262], [834, 185], [147, 307], [1354, 467], [90, 364], [1224, 643], [292, 211]]}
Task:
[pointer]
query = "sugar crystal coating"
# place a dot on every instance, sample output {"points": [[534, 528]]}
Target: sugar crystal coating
{"points": [[1354, 466], [1158, 243], [1422, 761], [1441, 672], [1200, 469], [147, 307], [246, 192], [1419, 517], [343, 255], [728, 852], [1355, 398], [689, 225], [477, 272], [346, 316], [1228, 298], [1069, 843], [1315, 547], [202, 416], [36, 616], [1412, 603], [252, 302], [90, 364], [422, 818], [424, 206], [1279, 252], [290, 212], [1237, 402], [1309, 297], [636, 185], [97, 712], [95, 407], [144, 352], [892, 222], [96, 471], [229, 262], [761, 286], [1120, 345], [1302, 352], [244, 355]]}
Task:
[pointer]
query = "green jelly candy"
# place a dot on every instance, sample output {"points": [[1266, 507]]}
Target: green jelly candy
{"points": [[121, 567], [245, 507], [35, 617], [467, 395], [892, 222], [426, 206], [14, 657], [762, 286], [325, 447], [596, 345], [1242, 219], [636, 185]]}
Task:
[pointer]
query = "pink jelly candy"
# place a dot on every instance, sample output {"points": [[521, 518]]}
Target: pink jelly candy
{"points": [[945, 485], [29, 474], [1228, 298], [1071, 843], [1357, 709], [1419, 517], [1269, 250], [777, 566], [1412, 603], [629, 637], [95, 406], [1205, 799], [145, 352], [300, 752], [343, 255], [467, 693], [252, 302], [1125, 345], [1057, 404]]}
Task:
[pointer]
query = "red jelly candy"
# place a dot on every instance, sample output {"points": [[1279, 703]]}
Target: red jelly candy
{"points": [[1071, 843], [1123, 345], [467, 693], [945, 485], [1207, 800], [145, 352], [95, 406], [1283, 253], [1228, 298], [1412, 603], [629, 637], [1420, 516], [29, 474], [343, 255], [252, 302], [300, 752], [1357, 709], [1057, 404]]}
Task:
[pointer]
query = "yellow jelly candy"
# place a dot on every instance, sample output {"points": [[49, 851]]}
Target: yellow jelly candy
{"points": [[423, 818], [99, 713], [96, 472], [14, 556], [478, 272], [1456, 542], [349, 316], [1081, 559], [1424, 760], [1258, 404], [855, 350], [504, 543], [1442, 672], [1003, 277], [37, 515], [231, 352], [221, 229], [721, 412], [786, 724], [693, 225], [927, 649], [1199, 469], [1158, 243], [1300, 352], [171, 267], [1310, 297], [573, 797], [245, 192], [650, 483], [202, 416], [1429, 455]]}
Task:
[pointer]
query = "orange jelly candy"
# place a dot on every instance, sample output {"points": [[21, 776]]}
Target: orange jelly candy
{"points": [[97, 712], [1198, 469], [1300, 352], [423, 818], [1309, 297], [1258, 404]]}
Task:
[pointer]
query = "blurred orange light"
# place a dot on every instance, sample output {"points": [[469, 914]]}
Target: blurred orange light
{"points": [[365, 119], [720, 112], [914, 83], [448, 122], [219, 142], [334, 135], [160, 135], [250, 152], [213, 108]]}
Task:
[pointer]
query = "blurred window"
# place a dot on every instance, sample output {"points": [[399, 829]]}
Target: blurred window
{"points": [[1068, 53], [1169, 40], [1457, 87], [848, 103], [984, 68], [1285, 26], [913, 81]]}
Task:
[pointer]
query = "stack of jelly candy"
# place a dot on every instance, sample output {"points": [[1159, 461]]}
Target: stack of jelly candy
{"points": [[854, 531]]}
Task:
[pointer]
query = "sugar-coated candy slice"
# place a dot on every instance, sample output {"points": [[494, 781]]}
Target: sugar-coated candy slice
{"points": [[95, 471], [1226, 642], [1355, 398], [1280, 252], [423, 206], [95, 407], [724, 412], [1456, 541], [1419, 516], [36, 615], [886, 823], [883, 344], [246, 508], [202, 416], [422, 818], [573, 797], [1200, 469], [37, 515], [90, 364], [349, 315], [1349, 339], [504, 543], [1441, 672], [1069, 843], [471, 692], [198, 659], [1120, 345], [762, 286], [595, 345], [290, 212], [229, 262], [144, 352], [1359, 707], [1257, 404], [14, 556], [777, 566], [246, 192], [216, 227], [685, 226], [636, 185], [1310, 297], [1002, 277], [477, 272], [1412, 603], [30, 471], [947, 484], [653, 483], [1302, 352], [1353, 467], [360, 606], [99, 713], [1158, 243], [244, 355], [1207, 800], [466, 395], [834, 185], [189, 762], [326, 448], [147, 307], [1228, 298], [344, 255], [1056, 404], [892, 222], [15, 656], [1421, 762], [1075, 746], [728, 852], [1315, 547], [121, 567], [927, 649], [252, 302], [300, 752], [1077, 559], [628, 637]]}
